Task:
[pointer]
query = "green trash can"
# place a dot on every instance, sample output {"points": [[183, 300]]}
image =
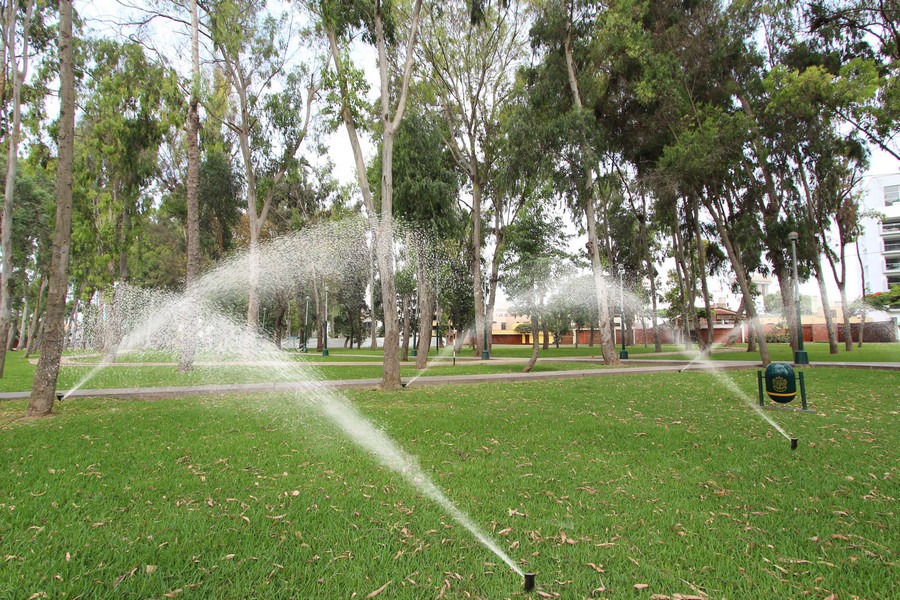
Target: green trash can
{"points": [[781, 382]]}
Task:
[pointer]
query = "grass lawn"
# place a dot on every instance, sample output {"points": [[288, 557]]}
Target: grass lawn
{"points": [[597, 485], [126, 374], [817, 352]]}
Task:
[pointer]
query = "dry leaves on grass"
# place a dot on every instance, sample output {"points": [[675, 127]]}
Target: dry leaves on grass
{"points": [[374, 593]]}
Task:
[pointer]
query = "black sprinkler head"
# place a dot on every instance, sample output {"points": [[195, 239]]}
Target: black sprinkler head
{"points": [[529, 582], [793, 443], [60, 396]]}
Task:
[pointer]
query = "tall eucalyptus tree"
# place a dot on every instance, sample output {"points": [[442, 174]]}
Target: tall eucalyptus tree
{"points": [[470, 68], [380, 24], [43, 390], [15, 54], [253, 48]]}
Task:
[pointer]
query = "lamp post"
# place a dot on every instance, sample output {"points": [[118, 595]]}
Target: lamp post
{"points": [[623, 353], [800, 355], [325, 326], [485, 353], [306, 327], [415, 326]]}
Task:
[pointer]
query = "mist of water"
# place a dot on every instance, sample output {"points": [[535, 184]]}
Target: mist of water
{"points": [[140, 320]]}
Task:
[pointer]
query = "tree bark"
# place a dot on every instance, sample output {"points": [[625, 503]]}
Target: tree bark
{"points": [[407, 327], [607, 344], [534, 345], [43, 391], [192, 271], [701, 267]]}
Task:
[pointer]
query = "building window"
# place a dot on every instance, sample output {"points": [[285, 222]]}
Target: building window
{"points": [[891, 194], [891, 264], [890, 226], [503, 326]]}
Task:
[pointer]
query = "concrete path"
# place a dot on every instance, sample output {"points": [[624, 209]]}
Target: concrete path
{"points": [[636, 367]]}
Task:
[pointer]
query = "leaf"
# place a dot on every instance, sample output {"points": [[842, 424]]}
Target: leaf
{"points": [[150, 568], [641, 586], [173, 593], [596, 568], [379, 590], [659, 597], [228, 557]]}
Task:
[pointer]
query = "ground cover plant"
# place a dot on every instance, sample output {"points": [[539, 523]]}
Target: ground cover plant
{"points": [[600, 485]]}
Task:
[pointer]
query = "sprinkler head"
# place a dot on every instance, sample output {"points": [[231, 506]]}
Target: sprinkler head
{"points": [[529, 582], [60, 396], [793, 443]]}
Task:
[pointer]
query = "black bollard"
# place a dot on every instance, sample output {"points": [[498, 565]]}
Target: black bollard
{"points": [[529, 582]]}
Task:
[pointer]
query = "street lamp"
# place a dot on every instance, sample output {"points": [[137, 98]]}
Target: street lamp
{"points": [[623, 353], [485, 353], [800, 355], [306, 327], [415, 326], [325, 327]]}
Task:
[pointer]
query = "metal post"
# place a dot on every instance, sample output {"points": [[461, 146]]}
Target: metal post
{"points": [[759, 379], [415, 327], [802, 392], [325, 326], [485, 352], [623, 353], [306, 328], [800, 355]]}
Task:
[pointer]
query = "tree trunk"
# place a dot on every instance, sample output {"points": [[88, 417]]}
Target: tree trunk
{"points": [[534, 345], [43, 391], [35, 318], [373, 322], [701, 267], [23, 326], [687, 304], [607, 345], [829, 318], [477, 275], [845, 310], [546, 331], [741, 275], [426, 314], [407, 326], [12, 157], [192, 271], [280, 311]]}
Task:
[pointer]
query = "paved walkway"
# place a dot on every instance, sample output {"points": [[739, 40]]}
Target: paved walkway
{"points": [[635, 367]]}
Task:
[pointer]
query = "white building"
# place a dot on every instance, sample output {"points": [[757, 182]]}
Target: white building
{"points": [[879, 244]]}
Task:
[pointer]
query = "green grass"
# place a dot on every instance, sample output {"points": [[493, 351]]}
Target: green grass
{"points": [[669, 481], [818, 352], [125, 375]]}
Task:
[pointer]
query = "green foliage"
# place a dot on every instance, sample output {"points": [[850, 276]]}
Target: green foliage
{"points": [[886, 299]]}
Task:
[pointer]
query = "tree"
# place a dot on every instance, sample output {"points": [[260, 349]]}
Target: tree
{"points": [[534, 263], [192, 267], [564, 30], [253, 49], [340, 18], [43, 390], [17, 66], [470, 72]]}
